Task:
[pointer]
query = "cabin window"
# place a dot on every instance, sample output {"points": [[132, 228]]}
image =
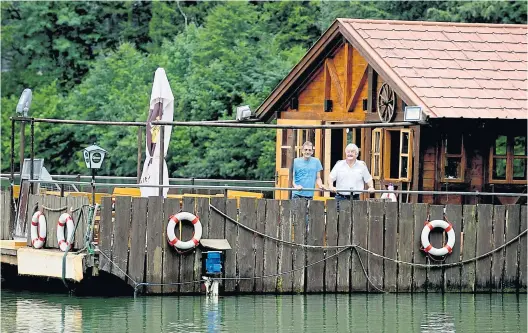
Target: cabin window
{"points": [[453, 158], [376, 153], [285, 146], [397, 155], [508, 159], [391, 154]]}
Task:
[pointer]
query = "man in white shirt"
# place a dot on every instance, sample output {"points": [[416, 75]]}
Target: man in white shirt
{"points": [[350, 174]]}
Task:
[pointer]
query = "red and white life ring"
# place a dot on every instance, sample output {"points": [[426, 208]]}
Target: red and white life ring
{"points": [[448, 227], [174, 241], [65, 220], [38, 230]]}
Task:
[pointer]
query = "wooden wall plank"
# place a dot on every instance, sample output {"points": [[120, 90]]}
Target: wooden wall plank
{"points": [[375, 244], [419, 273], [202, 212], [452, 274], [359, 237], [6, 215], [154, 244], [216, 221], [81, 223], [390, 271], [106, 226], [299, 218], [231, 234], [484, 244], [513, 227], [246, 250], [271, 228], [435, 276], [497, 258], [523, 252], [34, 202], [285, 281], [259, 245], [121, 236], [171, 258], [469, 247], [138, 241], [315, 234], [332, 239], [406, 247], [187, 258]]}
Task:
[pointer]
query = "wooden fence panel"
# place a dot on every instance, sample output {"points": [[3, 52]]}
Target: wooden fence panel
{"points": [[138, 241], [484, 244], [285, 282], [171, 258], [390, 268], [359, 237], [405, 247], [202, 212], [435, 275], [469, 248], [513, 227], [187, 258], [216, 221], [375, 244], [106, 228], [246, 250], [231, 234], [34, 202], [419, 274], [523, 252], [121, 236], [315, 234], [497, 258], [299, 218], [81, 221], [332, 239], [271, 228], [6, 215], [259, 245], [344, 225], [452, 274], [154, 244]]}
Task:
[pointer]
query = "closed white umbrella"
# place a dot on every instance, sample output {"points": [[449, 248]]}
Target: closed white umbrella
{"points": [[161, 108]]}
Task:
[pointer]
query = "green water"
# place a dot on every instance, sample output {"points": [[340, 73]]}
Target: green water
{"points": [[36, 312]]}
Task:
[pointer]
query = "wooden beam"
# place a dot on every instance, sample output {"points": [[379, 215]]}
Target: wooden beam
{"points": [[352, 105], [348, 70], [335, 80], [416, 162], [327, 81], [372, 83]]}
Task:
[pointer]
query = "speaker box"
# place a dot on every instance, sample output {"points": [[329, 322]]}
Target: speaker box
{"points": [[328, 105], [294, 103], [365, 104]]}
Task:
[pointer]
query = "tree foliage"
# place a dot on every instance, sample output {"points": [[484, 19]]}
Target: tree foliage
{"points": [[96, 61]]}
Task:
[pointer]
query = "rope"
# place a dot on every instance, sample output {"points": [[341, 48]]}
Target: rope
{"points": [[63, 208], [113, 263], [63, 277], [368, 251]]}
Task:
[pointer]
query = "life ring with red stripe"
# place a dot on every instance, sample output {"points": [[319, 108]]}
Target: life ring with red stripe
{"points": [[38, 230], [448, 227], [65, 220], [177, 243]]}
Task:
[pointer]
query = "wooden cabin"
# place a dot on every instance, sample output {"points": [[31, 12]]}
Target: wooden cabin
{"points": [[469, 80]]}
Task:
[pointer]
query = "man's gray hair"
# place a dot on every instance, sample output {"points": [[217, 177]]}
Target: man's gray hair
{"points": [[352, 147]]}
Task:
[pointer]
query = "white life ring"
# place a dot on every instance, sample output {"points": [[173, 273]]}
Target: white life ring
{"points": [[38, 230], [448, 227], [65, 220], [174, 241]]}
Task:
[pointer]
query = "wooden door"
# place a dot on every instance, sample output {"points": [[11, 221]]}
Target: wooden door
{"points": [[289, 146]]}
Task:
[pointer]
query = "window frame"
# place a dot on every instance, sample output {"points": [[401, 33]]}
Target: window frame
{"points": [[510, 157], [378, 155], [385, 154], [444, 156]]}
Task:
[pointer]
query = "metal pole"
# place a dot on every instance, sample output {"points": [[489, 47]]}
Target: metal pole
{"points": [[161, 158], [140, 143], [32, 154], [93, 186], [22, 143], [13, 151]]}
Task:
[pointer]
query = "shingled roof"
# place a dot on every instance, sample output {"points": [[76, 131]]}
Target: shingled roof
{"points": [[453, 70]]}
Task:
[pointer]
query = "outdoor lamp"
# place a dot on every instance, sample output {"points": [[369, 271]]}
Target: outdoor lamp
{"points": [[243, 113], [24, 102], [94, 156]]}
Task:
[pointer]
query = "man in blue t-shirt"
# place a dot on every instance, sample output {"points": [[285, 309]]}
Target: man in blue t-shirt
{"points": [[306, 173]]}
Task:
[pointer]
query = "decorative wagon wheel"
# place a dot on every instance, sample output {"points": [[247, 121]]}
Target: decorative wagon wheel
{"points": [[386, 103]]}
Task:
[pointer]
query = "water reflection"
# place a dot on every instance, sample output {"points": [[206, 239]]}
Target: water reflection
{"points": [[30, 312]]}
